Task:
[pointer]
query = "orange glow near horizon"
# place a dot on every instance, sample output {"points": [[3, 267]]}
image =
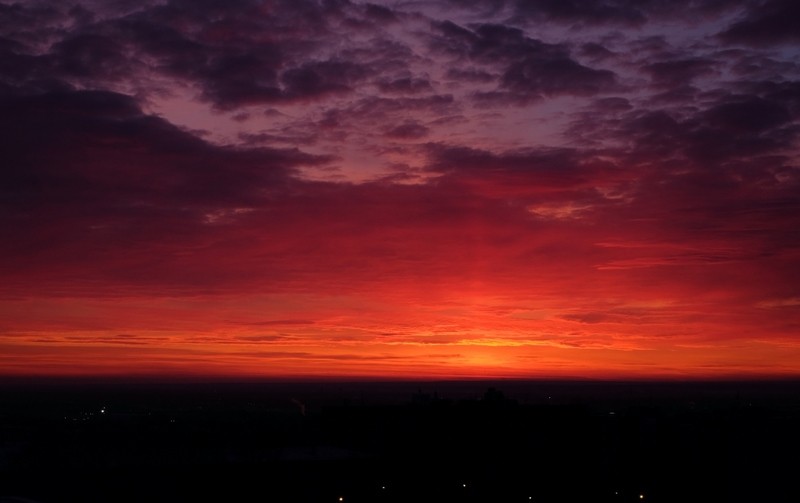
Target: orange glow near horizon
{"points": [[354, 337]]}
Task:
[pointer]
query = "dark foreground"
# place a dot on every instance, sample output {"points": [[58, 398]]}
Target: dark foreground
{"points": [[392, 442]]}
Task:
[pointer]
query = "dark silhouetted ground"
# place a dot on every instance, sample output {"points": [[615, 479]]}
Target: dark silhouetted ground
{"points": [[390, 442]]}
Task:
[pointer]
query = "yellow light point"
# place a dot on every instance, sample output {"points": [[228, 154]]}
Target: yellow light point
{"points": [[641, 496], [341, 498]]}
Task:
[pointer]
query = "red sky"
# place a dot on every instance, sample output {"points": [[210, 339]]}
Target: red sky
{"points": [[448, 189]]}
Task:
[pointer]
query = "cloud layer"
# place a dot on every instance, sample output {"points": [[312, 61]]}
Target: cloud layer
{"points": [[451, 188]]}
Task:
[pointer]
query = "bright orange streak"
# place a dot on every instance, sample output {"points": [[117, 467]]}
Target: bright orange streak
{"points": [[316, 337]]}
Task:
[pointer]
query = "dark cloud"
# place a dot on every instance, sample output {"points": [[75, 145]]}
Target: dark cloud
{"points": [[617, 13], [700, 130], [236, 64], [596, 51], [90, 56], [408, 131], [784, 92], [708, 139], [520, 174], [86, 175], [767, 22], [25, 20], [576, 11], [590, 127], [377, 106], [531, 69], [553, 76], [756, 65], [739, 127], [380, 13], [313, 80], [17, 65], [653, 46], [231, 80], [235, 67], [655, 130], [221, 47], [679, 72], [747, 114], [489, 43], [405, 85], [486, 7], [470, 75], [613, 104]]}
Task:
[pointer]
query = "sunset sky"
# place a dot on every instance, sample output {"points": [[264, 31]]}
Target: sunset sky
{"points": [[400, 189]]}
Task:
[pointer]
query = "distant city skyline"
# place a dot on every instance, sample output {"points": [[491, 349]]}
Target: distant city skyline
{"points": [[399, 189]]}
